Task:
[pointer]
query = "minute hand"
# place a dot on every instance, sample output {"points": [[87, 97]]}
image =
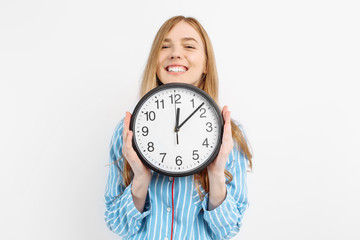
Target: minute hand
{"points": [[190, 116]]}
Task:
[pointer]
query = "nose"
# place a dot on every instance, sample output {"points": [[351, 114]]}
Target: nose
{"points": [[175, 53]]}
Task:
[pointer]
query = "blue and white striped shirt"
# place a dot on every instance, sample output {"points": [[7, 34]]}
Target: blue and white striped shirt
{"points": [[192, 220]]}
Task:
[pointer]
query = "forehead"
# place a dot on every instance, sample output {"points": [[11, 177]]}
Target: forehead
{"points": [[183, 31]]}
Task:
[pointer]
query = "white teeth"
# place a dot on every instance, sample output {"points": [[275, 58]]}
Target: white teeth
{"points": [[176, 69]]}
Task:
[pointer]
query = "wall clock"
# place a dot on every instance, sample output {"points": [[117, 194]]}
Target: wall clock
{"points": [[177, 129]]}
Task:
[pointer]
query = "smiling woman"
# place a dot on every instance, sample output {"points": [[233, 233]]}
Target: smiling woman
{"points": [[182, 56], [210, 204]]}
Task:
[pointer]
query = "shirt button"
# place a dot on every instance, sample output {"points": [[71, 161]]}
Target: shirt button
{"points": [[170, 178], [168, 209]]}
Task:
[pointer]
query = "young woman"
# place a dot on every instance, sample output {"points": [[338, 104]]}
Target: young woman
{"points": [[142, 204]]}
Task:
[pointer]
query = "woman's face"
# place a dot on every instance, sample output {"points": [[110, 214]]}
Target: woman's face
{"points": [[182, 56]]}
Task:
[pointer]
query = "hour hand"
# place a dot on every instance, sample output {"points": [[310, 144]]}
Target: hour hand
{"points": [[177, 125], [177, 119]]}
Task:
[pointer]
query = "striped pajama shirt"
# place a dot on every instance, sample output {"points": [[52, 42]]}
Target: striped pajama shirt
{"points": [[192, 220]]}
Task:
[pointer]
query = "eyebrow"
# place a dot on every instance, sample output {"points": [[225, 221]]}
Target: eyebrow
{"points": [[189, 39], [183, 39]]}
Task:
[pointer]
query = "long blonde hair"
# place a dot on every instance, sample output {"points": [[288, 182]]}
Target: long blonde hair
{"points": [[209, 84]]}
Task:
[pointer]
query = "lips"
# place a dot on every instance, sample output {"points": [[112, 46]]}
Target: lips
{"points": [[176, 68]]}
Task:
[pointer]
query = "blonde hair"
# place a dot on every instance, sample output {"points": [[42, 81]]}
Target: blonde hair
{"points": [[209, 84]]}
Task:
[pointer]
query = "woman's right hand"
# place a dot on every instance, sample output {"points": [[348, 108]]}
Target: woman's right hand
{"points": [[141, 172]]}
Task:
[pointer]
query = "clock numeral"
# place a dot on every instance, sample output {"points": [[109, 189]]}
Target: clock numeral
{"points": [[150, 147], [164, 154], [193, 102], [158, 104], [175, 97], [205, 143], [145, 131], [178, 160], [195, 154], [209, 125], [203, 111], [150, 116]]}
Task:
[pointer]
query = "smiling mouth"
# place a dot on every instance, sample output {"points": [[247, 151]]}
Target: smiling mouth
{"points": [[176, 69]]}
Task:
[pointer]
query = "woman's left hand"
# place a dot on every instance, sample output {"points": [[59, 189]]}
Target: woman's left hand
{"points": [[217, 167]]}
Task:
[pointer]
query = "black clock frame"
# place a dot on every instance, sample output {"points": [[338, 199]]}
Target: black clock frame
{"points": [[200, 92]]}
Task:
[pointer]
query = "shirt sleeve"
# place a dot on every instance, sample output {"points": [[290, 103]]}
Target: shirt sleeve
{"points": [[121, 215], [225, 221]]}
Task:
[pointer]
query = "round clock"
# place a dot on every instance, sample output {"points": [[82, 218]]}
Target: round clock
{"points": [[177, 129]]}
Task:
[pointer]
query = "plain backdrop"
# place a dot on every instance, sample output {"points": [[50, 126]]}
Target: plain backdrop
{"points": [[289, 72]]}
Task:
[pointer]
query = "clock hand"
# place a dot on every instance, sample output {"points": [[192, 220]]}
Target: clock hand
{"points": [[177, 119], [190, 115], [177, 124]]}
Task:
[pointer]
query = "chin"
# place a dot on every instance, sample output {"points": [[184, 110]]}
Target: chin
{"points": [[179, 79]]}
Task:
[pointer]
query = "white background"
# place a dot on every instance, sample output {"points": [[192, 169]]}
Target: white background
{"points": [[289, 71]]}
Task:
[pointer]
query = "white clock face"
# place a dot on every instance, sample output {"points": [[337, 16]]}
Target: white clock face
{"points": [[172, 147]]}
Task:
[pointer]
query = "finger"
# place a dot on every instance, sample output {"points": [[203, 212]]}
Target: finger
{"points": [[131, 155], [228, 118], [226, 115], [225, 108], [128, 149], [227, 135], [128, 143], [227, 125], [126, 125]]}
